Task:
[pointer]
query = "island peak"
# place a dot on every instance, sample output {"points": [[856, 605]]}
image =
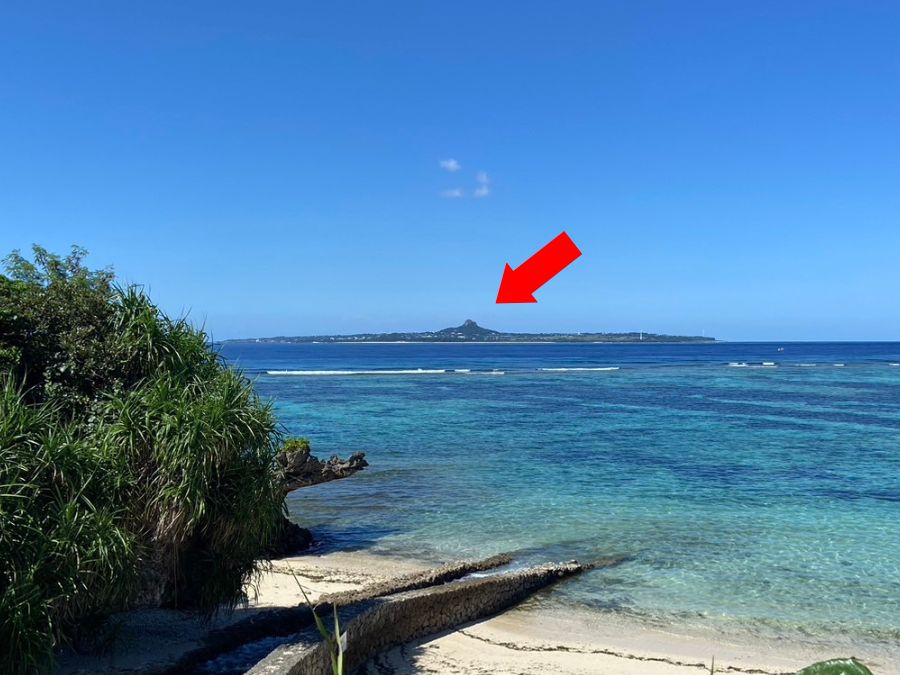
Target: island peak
{"points": [[468, 330]]}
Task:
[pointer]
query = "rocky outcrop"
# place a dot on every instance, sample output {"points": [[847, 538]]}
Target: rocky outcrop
{"points": [[302, 468], [290, 539]]}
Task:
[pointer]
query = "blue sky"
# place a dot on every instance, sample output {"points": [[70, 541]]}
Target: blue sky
{"points": [[274, 168]]}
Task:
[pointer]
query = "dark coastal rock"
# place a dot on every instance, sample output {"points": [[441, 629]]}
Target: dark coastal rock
{"points": [[303, 469], [290, 539]]}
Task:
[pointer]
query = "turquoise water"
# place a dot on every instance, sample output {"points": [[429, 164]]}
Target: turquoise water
{"points": [[764, 497]]}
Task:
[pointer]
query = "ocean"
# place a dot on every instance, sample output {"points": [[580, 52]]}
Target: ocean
{"points": [[743, 496]]}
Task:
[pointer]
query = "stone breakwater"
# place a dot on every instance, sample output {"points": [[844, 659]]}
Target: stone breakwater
{"points": [[391, 620], [279, 622]]}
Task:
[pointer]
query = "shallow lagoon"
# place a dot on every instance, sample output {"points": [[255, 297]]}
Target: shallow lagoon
{"points": [[765, 498]]}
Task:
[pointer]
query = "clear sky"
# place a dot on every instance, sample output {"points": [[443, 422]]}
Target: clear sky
{"points": [[276, 167]]}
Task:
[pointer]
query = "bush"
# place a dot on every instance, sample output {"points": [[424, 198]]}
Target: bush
{"points": [[837, 667], [65, 553], [56, 319], [136, 467], [296, 445]]}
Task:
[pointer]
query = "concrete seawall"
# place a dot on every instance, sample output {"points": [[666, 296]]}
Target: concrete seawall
{"points": [[385, 622], [289, 620]]}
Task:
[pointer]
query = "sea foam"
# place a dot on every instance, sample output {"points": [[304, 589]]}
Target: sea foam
{"points": [[566, 370], [415, 371]]}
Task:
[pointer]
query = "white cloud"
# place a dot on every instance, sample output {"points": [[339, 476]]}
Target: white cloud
{"points": [[482, 179]]}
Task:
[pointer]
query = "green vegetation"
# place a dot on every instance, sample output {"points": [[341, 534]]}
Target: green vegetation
{"points": [[831, 667], [334, 642], [836, 667], [135, 468], [295, 445]]}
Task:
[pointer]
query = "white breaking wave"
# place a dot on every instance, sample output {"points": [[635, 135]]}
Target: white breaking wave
{"points": [[564, 370], [417, 371]]}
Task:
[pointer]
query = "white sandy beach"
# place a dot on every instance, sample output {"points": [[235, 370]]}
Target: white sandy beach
{"points": [[532, 641], [525, 640]]}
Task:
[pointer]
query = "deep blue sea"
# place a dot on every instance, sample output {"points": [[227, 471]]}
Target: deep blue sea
{"points": [[743, 495]]}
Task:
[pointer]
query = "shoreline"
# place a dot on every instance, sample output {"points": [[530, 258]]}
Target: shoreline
{"points": [[530, 639], [534, 639]]}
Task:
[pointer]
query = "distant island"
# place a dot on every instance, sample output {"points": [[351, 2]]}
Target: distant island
{"points": [[470, 331]]}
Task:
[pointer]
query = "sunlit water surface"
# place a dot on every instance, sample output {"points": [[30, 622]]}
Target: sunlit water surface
{"points": [[761, 497]]}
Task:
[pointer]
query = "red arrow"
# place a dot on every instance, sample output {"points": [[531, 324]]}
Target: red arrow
{"points": [[518, 284]]}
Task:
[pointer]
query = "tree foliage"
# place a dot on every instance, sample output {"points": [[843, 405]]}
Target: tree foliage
{"points": [[135, 467]]}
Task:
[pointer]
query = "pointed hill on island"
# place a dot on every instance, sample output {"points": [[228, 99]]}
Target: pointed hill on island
{"points": [[469, 330]]}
